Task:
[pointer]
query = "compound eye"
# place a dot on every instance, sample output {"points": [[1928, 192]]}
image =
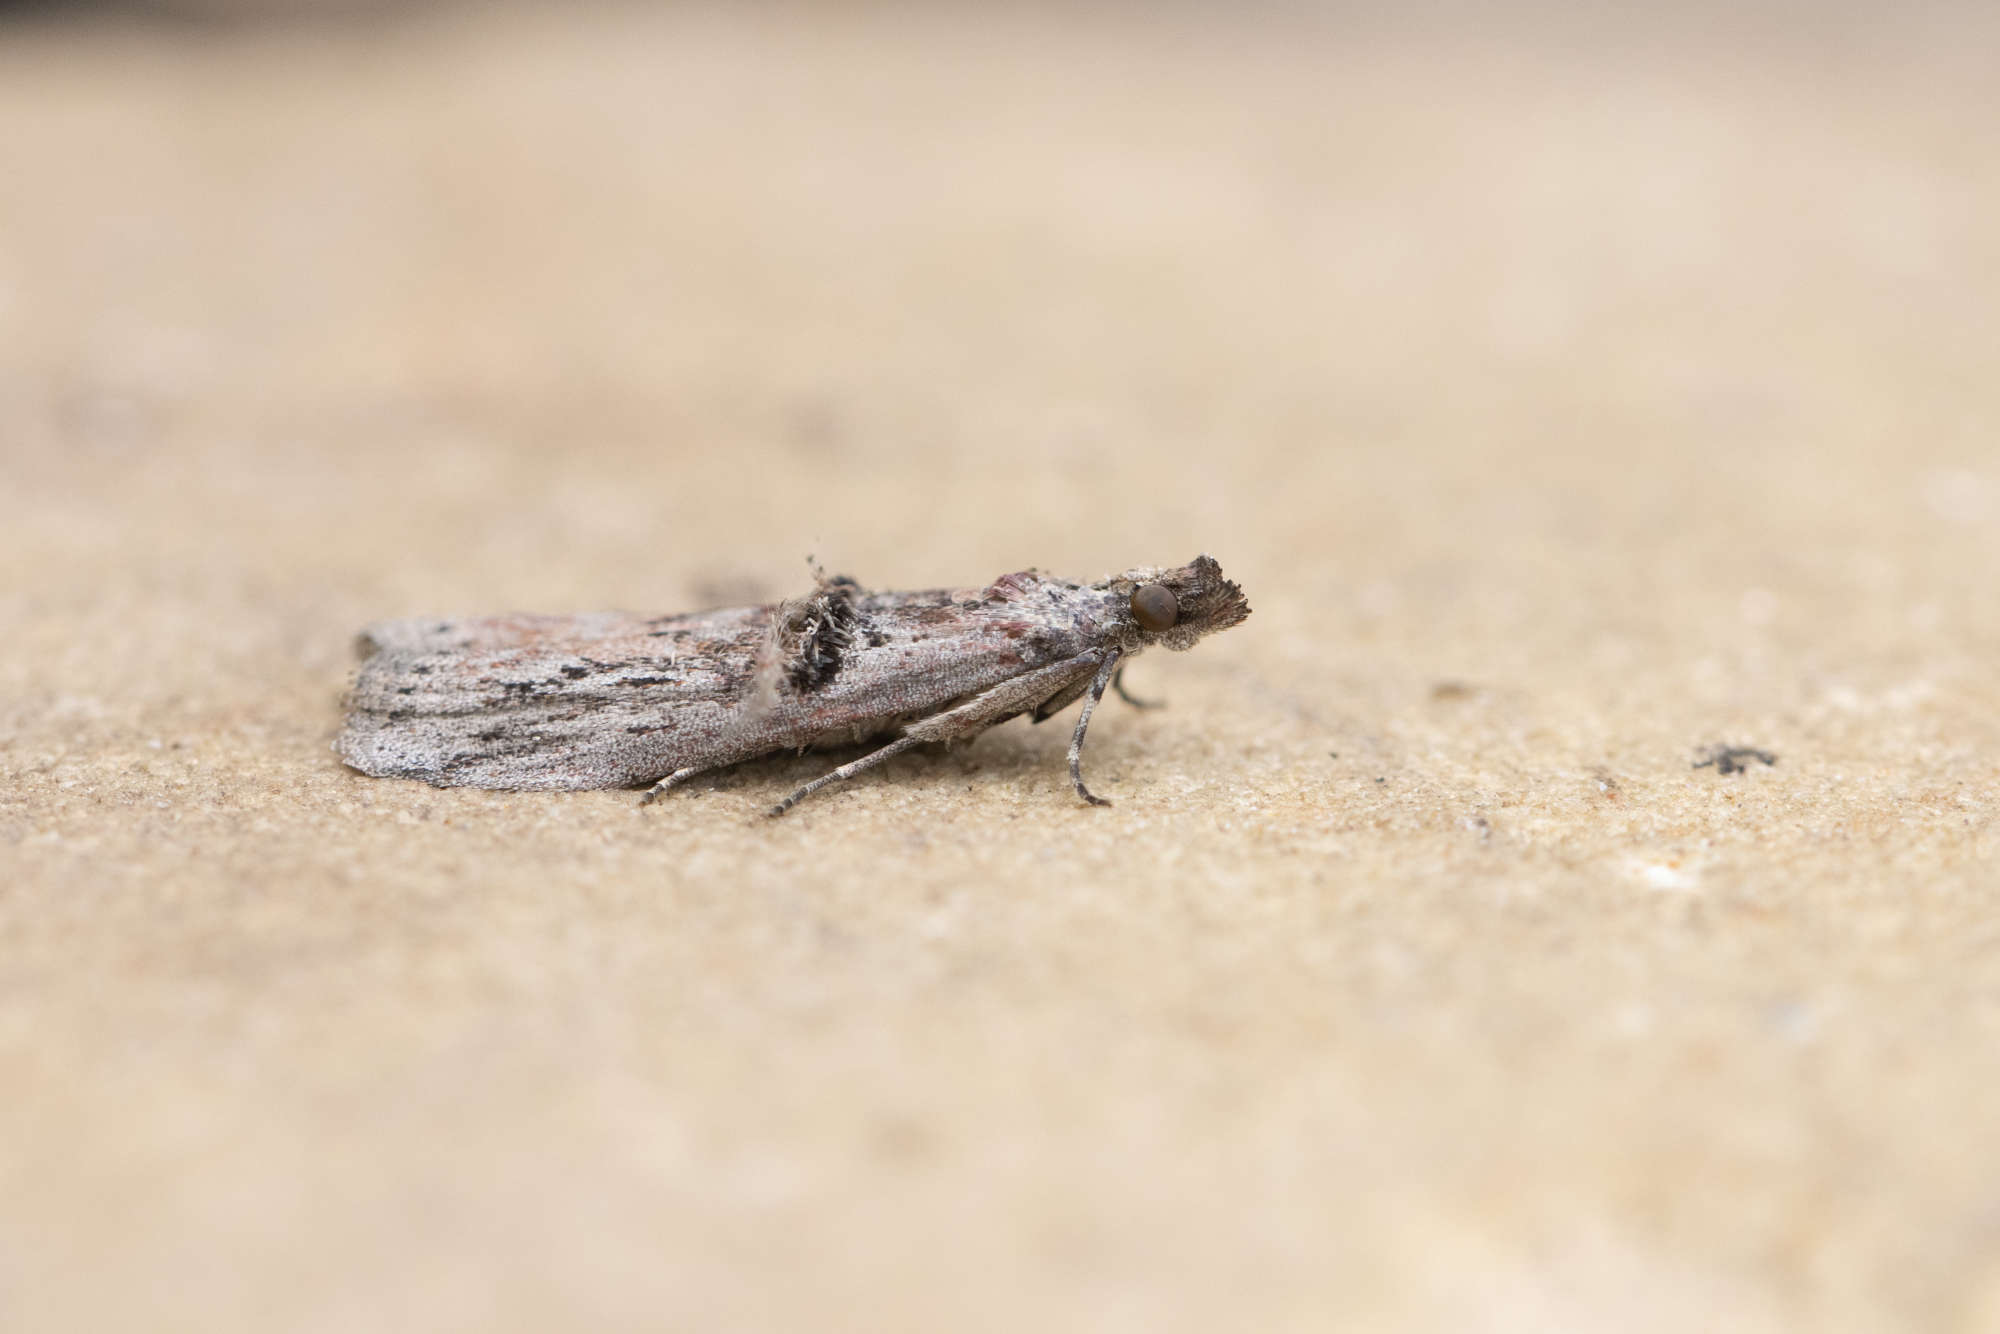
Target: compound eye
{"points": [[1154, 607]]}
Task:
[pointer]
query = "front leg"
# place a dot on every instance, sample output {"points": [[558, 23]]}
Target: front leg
{"points": [[1105, 673], [1056, 703]]}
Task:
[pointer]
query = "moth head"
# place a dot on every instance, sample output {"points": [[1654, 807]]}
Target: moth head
{"points": [[1176, 607]]}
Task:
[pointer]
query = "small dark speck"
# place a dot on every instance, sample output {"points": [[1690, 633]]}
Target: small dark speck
{"points": [[1733, 759], [1451, 690], [1334, 753], [1381, 780], [574, 672], [406, 690]]}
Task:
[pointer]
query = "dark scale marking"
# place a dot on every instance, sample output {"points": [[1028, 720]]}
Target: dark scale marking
{"points": [[516, 743], [647, 681], [825, 628], [576, 673]]}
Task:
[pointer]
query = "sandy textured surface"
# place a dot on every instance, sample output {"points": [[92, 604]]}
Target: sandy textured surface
{"points": [[1567, 399]]}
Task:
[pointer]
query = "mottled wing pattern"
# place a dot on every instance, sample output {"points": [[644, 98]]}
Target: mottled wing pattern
{"points": [[598, 700]]}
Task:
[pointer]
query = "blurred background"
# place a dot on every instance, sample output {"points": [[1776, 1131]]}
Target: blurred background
{"points": [[1131, 274], [1571, 387]]}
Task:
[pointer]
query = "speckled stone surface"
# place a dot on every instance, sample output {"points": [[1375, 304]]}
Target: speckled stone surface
{"points": [[1569, 398]]}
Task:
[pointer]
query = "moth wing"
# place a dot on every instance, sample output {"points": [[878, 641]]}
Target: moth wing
{"points": [[430, 634], [539, 702]]}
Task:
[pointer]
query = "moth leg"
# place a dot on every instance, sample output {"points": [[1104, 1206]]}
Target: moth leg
{"points": [[844, 772], [1105, 675], [668, 784], [970, 718], [1118, 684], [1056, 703]]}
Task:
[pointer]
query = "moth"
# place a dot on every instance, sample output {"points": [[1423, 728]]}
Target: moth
{"points": [[607, 699]]}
